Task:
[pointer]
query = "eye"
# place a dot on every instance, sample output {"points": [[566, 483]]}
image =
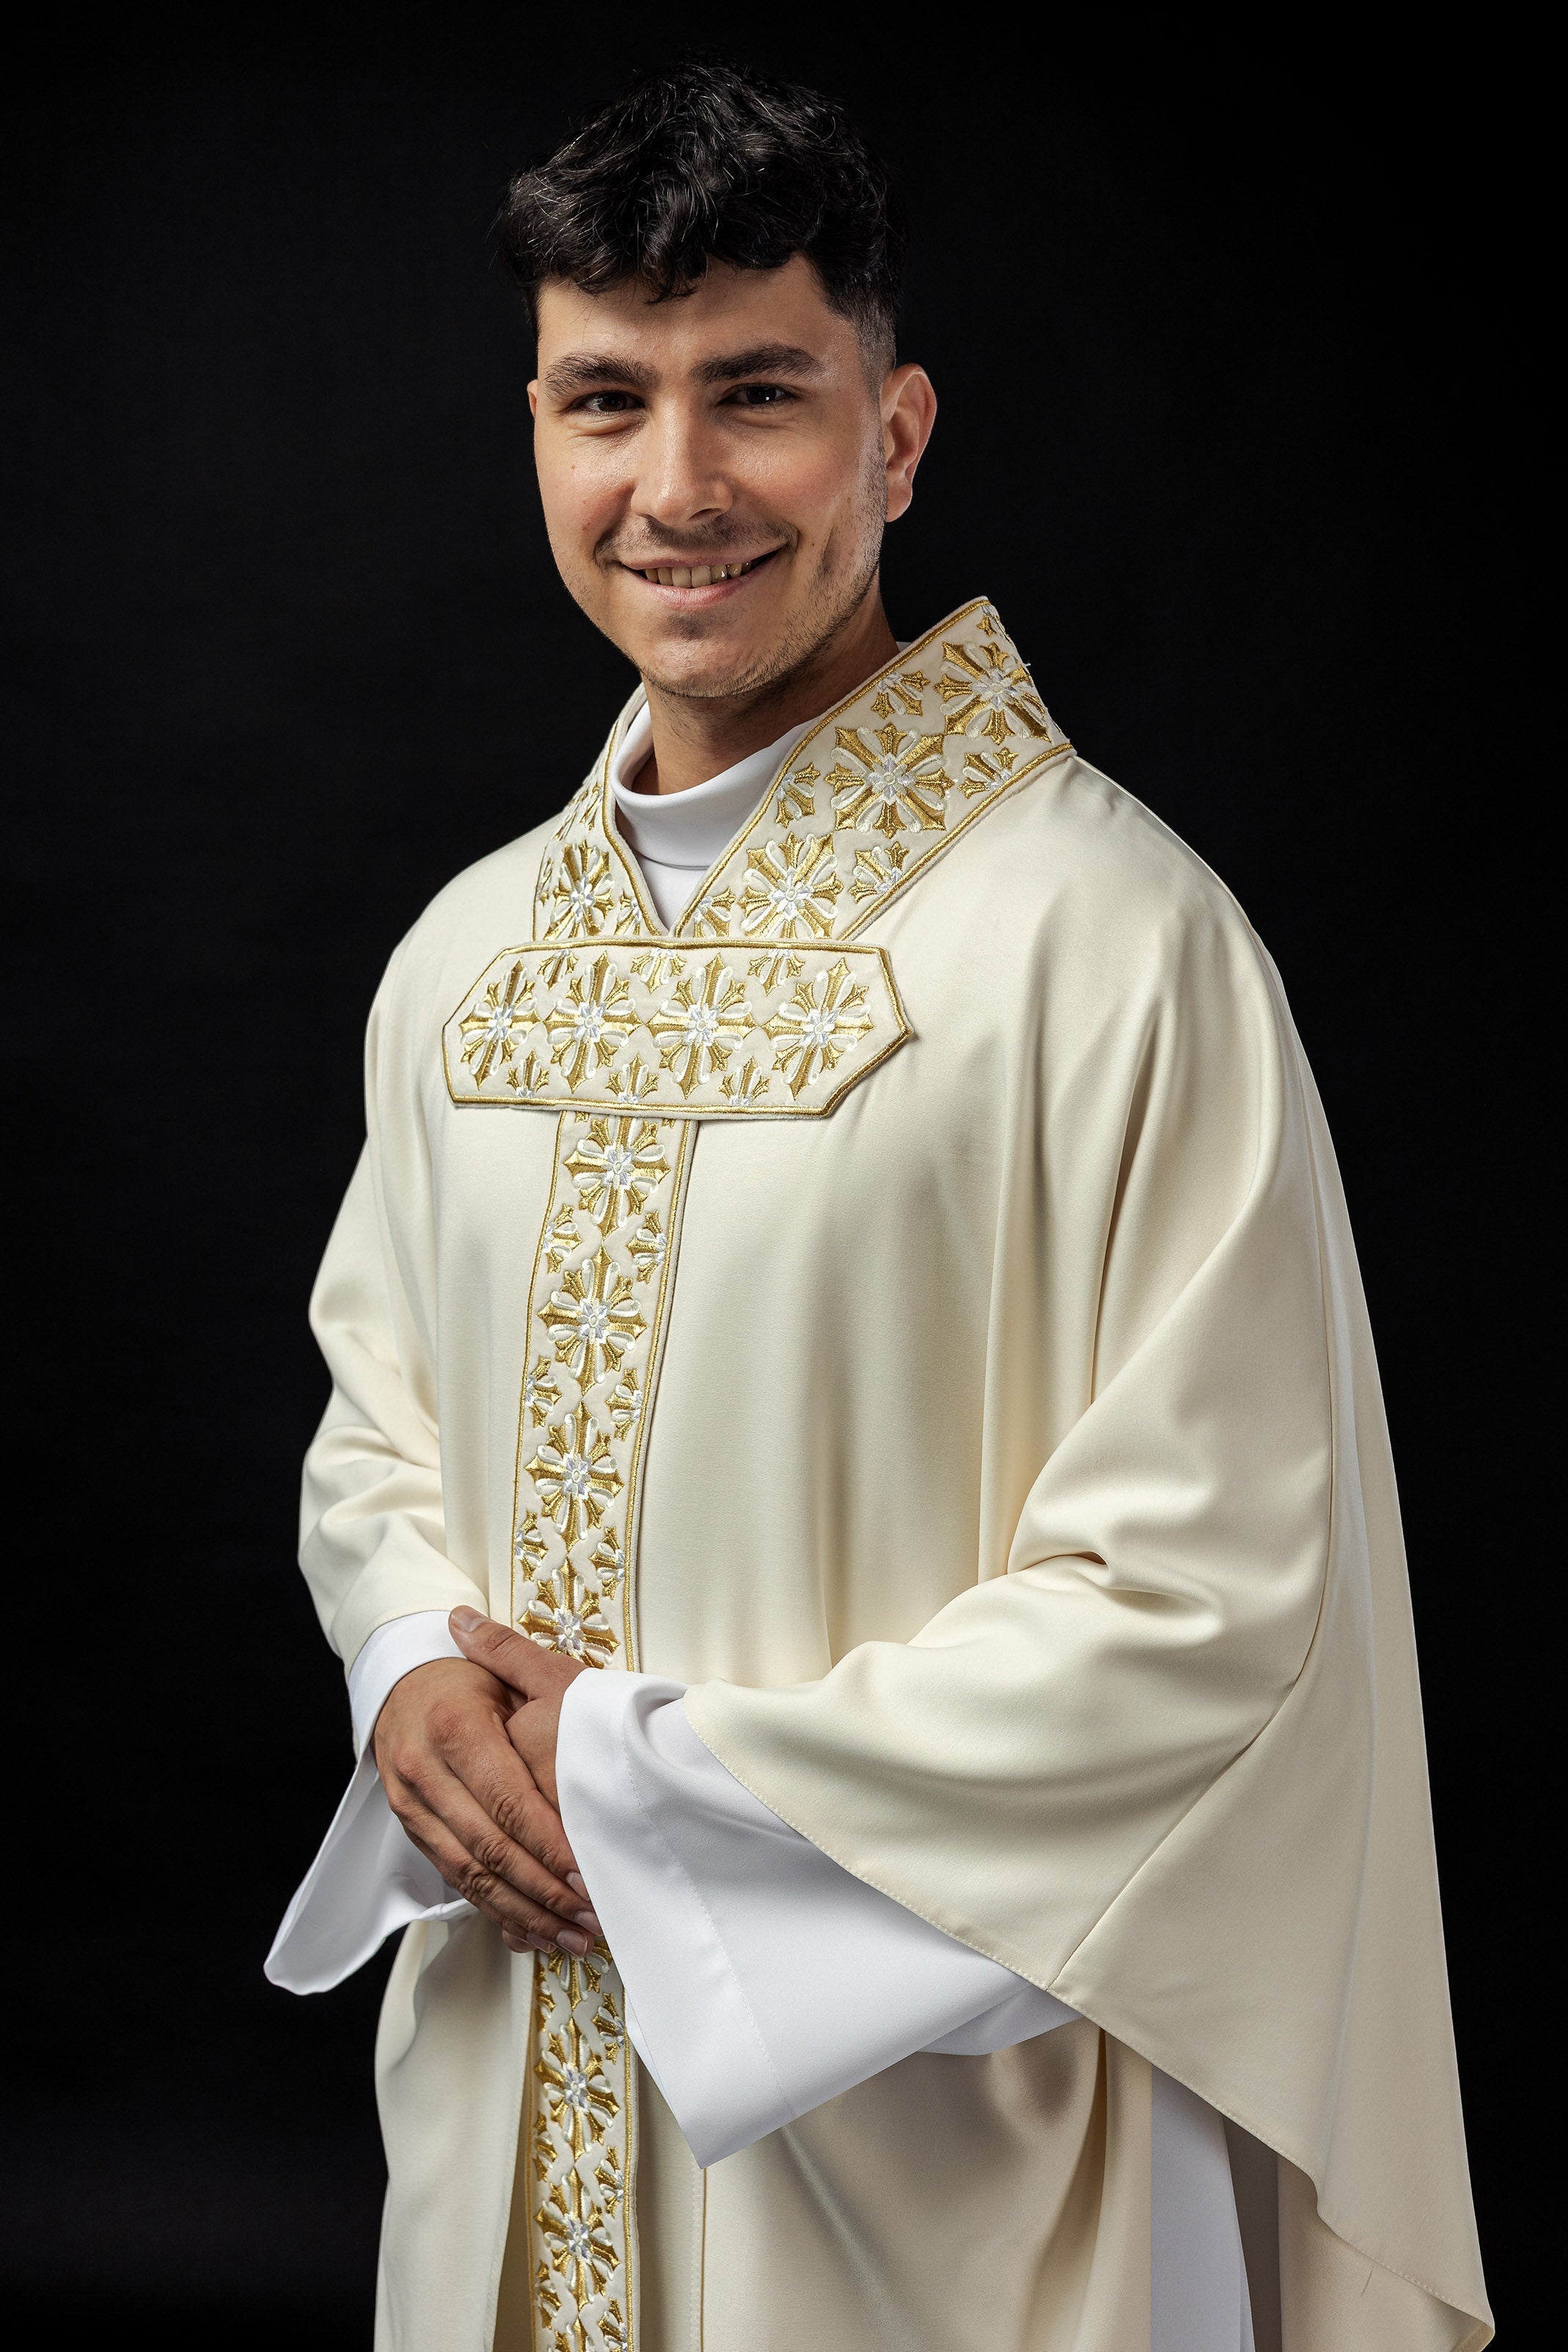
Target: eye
{"points": [[760, 395], [606, 404]]}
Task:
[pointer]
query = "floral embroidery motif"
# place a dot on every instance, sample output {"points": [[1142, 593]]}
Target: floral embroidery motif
{"points": [[821, 1021], [712, 917], [912, 759], [793, 886], [906, 692], [486, 1030], [593, 1018], [994, 693], [617, 1165], [594, 1318], [648, 1247], [630, 1056], [761, 1006], [795, 798], [903, 782], [695, 1028], [563, 1237], [530, 1546], [582, 2250], [539, 1394], [876, 871], [634, 1084], [624, 1404], [609, 1558], [747, 1088], [565, 1616], [591, 1334], [574, 1476], [581, 894]]}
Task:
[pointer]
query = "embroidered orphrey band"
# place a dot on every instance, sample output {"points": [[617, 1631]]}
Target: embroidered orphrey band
{"points": [[755, 1004], [596, 1315]]}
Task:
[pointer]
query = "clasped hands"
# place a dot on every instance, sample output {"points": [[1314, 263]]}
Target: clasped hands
{"points": [[471, 1774]]}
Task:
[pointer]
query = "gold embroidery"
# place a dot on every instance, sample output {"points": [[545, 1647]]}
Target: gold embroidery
{"points": [[992, 688], [720, 1044], [713, 916], [486, 1030], [594, 1319], [792, 883], [876, 871], [695, 1028], [617, 1165], [594, 1334], [913, 758], [902, 693], [745, 1088], [902, 781], [564, 1616], [795, 798], [574, 1475], [823, 1019], [563, 1237], [539, 1393], [586, 1024], [759, 1006], [581, 894]]}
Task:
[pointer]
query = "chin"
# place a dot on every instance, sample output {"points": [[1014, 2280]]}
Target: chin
{"points": [[707, 667]]}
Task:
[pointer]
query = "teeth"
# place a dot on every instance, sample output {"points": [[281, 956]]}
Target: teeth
{"points": [[697, 575]]}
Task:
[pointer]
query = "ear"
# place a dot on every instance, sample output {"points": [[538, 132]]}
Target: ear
{"points": [[908, 412], [533, 400]]}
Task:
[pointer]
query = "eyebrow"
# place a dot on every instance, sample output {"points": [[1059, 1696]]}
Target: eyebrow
{"points": [[763, 358], [578, 369]]}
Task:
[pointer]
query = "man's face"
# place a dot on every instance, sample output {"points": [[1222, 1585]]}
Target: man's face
{"points": [[717, 470]]}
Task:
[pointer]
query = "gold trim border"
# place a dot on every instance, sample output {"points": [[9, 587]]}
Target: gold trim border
{"points": [[691, 1114]]}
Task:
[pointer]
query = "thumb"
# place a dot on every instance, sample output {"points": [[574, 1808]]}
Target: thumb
{"points": [[509, 1656]]}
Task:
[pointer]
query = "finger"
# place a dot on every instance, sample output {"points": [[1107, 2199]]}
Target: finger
{"points": [[475, 1875], [489, 1845], [511, 1657], [473, 1743], [514, 1914], [478, 1750]]}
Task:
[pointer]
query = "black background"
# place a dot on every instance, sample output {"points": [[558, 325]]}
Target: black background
{"points": [[1227, 338]]}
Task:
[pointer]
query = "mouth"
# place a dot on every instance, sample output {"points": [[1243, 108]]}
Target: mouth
{"points": [[700, 575]]}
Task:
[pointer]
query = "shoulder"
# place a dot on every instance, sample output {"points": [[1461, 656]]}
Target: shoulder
{"points": [[1082, 871], [486, 908]]}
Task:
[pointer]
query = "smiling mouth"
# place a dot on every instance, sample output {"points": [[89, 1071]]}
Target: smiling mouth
{"points": [[697, 575]]}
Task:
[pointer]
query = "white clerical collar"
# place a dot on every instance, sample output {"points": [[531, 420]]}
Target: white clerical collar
{"points": [[687, 831]]}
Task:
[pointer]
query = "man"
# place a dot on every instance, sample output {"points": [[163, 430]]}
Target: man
{"points": [[855, 1482]]}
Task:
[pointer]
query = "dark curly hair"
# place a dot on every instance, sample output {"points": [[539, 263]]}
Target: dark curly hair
{"points": [[707, 162]]}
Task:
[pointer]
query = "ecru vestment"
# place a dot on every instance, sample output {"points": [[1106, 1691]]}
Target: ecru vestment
{"points": [[911, 1304]]}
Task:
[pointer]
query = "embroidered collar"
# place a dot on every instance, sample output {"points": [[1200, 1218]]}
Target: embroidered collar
{"points": [[879, 787]]}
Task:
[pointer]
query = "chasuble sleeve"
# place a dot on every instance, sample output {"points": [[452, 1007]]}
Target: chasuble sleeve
{"points": [[372, 1528], [1163, 1756], [1156, 1564]]}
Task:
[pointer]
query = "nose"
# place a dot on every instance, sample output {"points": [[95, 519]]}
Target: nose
{"points": [[681, 480]]}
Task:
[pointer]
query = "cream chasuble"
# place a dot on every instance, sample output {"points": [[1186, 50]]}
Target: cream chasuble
{"points": [[910, 1301]]}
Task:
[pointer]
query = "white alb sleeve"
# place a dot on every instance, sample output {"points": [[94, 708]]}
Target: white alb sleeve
{"points": [[368, 1879], [760, 1978]]}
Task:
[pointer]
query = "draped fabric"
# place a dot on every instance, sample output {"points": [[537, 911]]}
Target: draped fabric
{"points": [[992, 1441]]}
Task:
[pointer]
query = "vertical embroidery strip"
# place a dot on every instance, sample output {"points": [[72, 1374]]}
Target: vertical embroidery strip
{"points": [[882, 786], [597, 1310]]}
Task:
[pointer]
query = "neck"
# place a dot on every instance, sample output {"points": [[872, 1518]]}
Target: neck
{"points": [[697, 737]]}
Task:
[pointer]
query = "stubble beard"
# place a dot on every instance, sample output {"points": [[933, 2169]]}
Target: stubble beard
{"points": [[836, 595]]}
